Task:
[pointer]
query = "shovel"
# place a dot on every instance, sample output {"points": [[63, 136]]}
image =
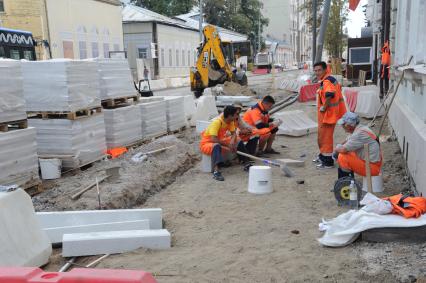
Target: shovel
{"points": [[286, 171]]}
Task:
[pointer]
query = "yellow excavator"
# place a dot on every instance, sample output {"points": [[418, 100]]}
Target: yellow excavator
{"points": [[212, 66]]}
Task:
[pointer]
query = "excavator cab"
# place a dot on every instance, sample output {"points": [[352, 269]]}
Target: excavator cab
{"points": [[214, 63]]}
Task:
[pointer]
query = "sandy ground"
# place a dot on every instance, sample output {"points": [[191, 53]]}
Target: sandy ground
{"points": [[221, 233]]}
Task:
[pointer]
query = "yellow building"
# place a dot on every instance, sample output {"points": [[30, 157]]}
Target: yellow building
{"points": [[76, 29]]}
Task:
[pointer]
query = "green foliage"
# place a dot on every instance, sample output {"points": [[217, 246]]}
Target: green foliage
{"points": [[243, 16], [167, 7]]}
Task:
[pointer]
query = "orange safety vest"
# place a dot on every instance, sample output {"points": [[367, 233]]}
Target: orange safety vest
{"points": [[409, 207], [336, 108], [254, 114]]}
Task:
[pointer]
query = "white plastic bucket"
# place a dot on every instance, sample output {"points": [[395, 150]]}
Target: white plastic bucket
{"points": [[260, 180], [377, 182], [206, 163], [50, 168]]}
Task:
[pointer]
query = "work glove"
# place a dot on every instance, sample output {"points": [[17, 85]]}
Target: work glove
{"points": [[322, 109]]}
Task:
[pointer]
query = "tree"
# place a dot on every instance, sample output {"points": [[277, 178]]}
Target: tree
{"points": [[243, 16], [335, 37], [166, 7]]}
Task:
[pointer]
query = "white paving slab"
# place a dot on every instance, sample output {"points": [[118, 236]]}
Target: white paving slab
{"points": [[295, 123], [122, 126], [12, 103], [56, 233], [114, 242], [86, 217], [22, 241]]}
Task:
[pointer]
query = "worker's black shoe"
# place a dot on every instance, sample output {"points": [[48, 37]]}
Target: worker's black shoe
{"points": [[271, 151], [317, 159], [325, 165], [218, 176], [247, 165], [260, 153]]}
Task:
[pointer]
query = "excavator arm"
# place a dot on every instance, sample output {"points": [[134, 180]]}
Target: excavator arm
{"points": [[212, 67]]}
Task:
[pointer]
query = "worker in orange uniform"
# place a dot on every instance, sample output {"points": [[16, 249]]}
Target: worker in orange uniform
{"points": [[263, 125], [350, 155], [384, 71], [220, 138], [331, 108], [247, 133]]}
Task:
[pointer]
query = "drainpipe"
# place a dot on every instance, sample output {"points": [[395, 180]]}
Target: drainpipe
{"points": [[47, 27]]}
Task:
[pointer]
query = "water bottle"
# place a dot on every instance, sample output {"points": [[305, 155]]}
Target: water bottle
{"points": [[353, 195]]}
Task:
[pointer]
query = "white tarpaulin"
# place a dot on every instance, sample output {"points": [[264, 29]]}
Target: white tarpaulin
{"points": [[12, 103], [22, 241], [345, 228], [60, 85]]}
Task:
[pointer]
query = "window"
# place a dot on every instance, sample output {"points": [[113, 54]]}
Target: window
{"points": [[142, 53], [28, 55], [95, 50], [1, 6], [83, 49], [162, 57], [183, 58], [177, 58], [170, 58], [359, 55], [68, 48], [14, 54], [106, 50]]}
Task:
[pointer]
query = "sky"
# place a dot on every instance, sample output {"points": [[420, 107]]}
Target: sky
{"points": [[356, 20]]}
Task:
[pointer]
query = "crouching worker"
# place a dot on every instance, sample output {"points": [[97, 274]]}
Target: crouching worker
{"points": [[247, 133], [351, 155], [263, 125], [220, 139]]}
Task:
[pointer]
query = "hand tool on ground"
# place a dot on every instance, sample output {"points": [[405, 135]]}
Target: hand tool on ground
{"points": [[99, 193], [112, 174], [287, 172], [142, 156]]}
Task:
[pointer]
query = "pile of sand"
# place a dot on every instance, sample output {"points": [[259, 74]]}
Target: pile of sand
{"points": [[235, 89]]}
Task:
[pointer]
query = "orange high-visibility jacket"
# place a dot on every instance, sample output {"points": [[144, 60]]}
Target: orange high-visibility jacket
{"points": [[336, 109], [255, 114], [386, 56], [409, 207]]}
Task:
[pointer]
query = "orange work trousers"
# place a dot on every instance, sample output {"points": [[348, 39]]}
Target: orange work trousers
{"points": [[206, 144], [349, 161], [263, 134], [325, 137]]}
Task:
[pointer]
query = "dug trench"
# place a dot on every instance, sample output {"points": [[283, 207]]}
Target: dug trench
{"points": [[136, 183]]}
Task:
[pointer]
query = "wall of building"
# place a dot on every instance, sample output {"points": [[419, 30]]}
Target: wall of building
{"points": [[82, 29], [278, 12], [26, 15], [408, 113], [176, 50]]}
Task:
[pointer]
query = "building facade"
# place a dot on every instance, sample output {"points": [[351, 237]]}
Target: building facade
{"points": [[76, 29], [301, 36], [167, 46], [401, 23]]}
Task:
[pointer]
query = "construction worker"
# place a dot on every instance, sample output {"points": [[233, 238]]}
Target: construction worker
{"points": [[220, 139], [350, 155], [331, 108], [265, 127], [246, 133], [384, 71]]}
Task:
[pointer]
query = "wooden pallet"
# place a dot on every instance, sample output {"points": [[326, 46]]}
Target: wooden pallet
{"points": [[20, 124], [69, 115], [115, 102], [178, 131]]}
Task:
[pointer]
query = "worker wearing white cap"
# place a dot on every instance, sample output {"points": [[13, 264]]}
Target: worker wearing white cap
{"points": [[350, 155]]}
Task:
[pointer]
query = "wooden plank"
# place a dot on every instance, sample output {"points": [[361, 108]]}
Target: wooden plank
{"points": [[33, 187], [120, 101], [384, 235], [70, 115], [20, 124]]}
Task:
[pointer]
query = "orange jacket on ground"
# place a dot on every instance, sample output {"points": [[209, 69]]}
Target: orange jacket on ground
{"points": [[409, 207], [336, 109], [217, 128]]}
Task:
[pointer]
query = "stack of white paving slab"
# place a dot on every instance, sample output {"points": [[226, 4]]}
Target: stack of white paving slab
{"points": [[122, 126], [22, 240], [115, 78], [60, 85], [153, 118], [190, 109], [206, 108], [224, 100], [76, 142], [12, 103], [105, 231], [295, 123], [18, 158], [175, 111]]}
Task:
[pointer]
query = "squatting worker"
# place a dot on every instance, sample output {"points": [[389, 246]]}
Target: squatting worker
{"points": [[247, 133], [220, 138], [384, 71], [351, 155], [331, 108], [258, 117]]}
